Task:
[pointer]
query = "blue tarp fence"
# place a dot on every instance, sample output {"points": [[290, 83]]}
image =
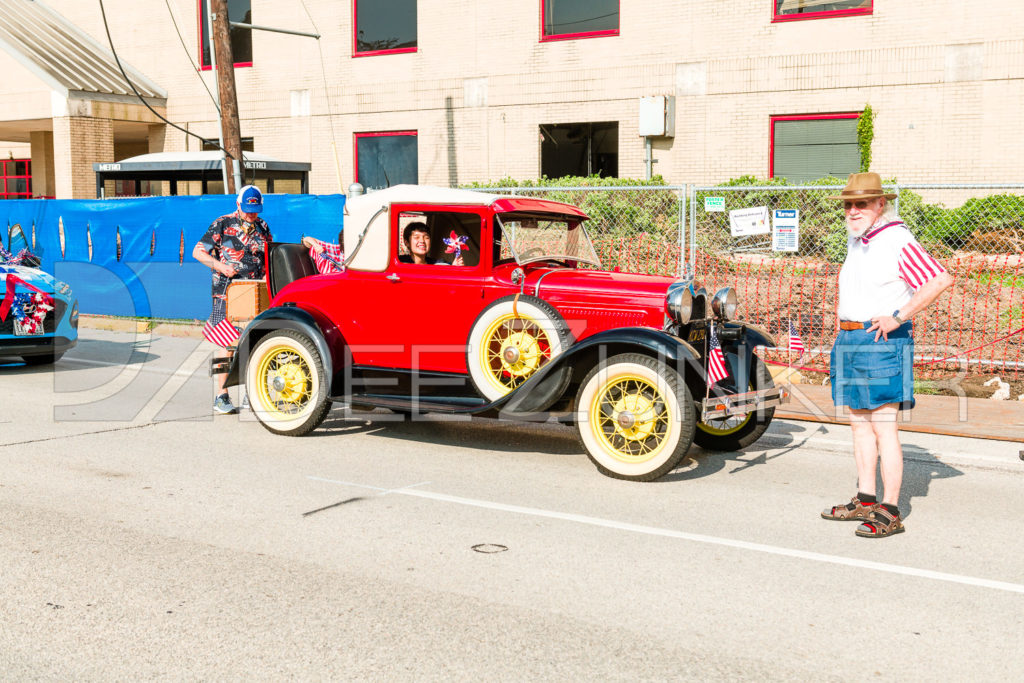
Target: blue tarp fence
{"points": [[156, 275]]}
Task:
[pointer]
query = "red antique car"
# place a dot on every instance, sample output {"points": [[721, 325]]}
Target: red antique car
{"points": [[527, 327]]}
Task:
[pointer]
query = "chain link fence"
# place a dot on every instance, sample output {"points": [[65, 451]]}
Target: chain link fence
{"points": [[785, 267], [784, 252]]}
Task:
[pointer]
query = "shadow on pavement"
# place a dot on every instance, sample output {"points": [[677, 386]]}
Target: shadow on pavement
{"points": [[479, 433]]}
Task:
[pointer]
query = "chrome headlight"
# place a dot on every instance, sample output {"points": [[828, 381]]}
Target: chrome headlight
{"points": [[73, 318], [725, 303], [679, 301]]}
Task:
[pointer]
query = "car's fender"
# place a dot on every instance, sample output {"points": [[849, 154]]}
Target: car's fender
{"points": [[536, 393], [739, 339], [310, 322]]}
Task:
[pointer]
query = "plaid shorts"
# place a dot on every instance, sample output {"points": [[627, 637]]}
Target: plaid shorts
{"points": [[866, 374]]}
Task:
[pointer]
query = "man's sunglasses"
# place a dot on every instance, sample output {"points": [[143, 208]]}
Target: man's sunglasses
{"points": [[860, 204]]}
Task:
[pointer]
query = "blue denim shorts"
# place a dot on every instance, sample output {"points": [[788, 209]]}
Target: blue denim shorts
{"points": [[866, 374]]}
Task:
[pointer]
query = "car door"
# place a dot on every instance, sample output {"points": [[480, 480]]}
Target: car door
{"points": [[418, 316]]}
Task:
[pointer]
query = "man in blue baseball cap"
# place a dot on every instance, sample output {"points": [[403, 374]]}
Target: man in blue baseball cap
{"points": [[233, 248], [250, 200]]}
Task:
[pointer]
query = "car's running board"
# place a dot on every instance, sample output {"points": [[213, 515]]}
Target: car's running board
{"points": [[717, 407], [466, 406]]}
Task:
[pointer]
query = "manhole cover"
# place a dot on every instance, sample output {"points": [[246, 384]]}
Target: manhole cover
{"points": [[490, 548]]}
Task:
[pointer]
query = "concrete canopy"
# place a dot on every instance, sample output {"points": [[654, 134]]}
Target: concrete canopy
{"points": [[200, 166]]}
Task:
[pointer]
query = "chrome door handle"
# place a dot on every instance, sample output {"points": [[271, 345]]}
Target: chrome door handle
{"points": [[394, 278]]}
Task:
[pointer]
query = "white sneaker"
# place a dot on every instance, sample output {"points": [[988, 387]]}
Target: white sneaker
{"points": [[245, 401]]}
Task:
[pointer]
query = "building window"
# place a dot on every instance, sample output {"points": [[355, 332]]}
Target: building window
{"points": [[241, 38], [580, 149], [386, 159], [568, 19], [210, 145], [16, 179], [793, 10], [806, 148], [384, 27]]}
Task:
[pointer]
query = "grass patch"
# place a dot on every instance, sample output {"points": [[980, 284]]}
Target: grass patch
{"points": [[998, 278]]}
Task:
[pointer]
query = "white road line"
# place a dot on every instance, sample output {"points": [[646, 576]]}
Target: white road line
{"points": [[697, 538], [144, 367]]}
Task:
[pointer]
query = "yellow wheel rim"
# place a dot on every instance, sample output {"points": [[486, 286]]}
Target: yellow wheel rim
{"points": [[630, 418], [286, 383], [512, 350], [725, 426]]}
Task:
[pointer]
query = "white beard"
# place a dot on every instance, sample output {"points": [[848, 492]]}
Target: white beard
{"points": [[856, 232]]}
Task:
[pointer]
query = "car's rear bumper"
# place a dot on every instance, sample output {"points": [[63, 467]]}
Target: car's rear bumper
{"points": [[35, 346], [717, 407]]}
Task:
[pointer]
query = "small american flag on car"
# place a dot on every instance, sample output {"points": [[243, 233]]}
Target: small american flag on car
{"points": [[716, 361]]}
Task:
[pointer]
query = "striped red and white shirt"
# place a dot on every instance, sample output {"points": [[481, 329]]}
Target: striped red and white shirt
{"points": [[328, 261], [883, 269]]}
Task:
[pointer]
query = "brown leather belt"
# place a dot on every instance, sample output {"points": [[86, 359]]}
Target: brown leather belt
{"points": [[851, 325]]}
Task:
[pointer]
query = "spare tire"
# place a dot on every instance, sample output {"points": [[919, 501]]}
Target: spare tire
{"points": [[507, 347]]}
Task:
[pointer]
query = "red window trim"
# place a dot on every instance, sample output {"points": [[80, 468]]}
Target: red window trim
{"points": [[199, 40], [4, 177], [398, 210], [575, 36], [378, 134], [852, 12], [798, 117], [376, 53]]}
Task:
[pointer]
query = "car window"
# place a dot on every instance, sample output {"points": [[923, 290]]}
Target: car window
{"points": [[541, 237], [450, 233]]}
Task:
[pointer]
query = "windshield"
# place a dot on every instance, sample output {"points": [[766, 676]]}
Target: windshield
{"points": [[539, 237]]}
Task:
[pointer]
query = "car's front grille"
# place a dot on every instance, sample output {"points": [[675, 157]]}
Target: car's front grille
{"points": [[49, 322]]}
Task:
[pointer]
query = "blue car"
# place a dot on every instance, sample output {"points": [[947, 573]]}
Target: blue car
{"points": [[38, 312]]}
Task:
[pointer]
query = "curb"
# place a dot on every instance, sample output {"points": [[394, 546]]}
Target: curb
{"points": [[163, 328]]}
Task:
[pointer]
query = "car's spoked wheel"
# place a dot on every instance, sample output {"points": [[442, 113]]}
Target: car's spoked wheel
{"points": [[635, 417], [738, 431], [509, 343], [513, 350], [286, 384]]}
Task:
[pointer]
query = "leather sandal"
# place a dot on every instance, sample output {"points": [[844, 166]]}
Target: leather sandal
{"points": [[853, 511], [880, 523]]}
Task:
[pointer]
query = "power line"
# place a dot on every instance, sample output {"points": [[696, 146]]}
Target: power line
{"points": [[188, 54], [142, 99], [327, 94]]}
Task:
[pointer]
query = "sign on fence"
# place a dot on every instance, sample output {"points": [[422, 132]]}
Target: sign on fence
{"points": [[714, 203], [754, 221], [786, 230]]}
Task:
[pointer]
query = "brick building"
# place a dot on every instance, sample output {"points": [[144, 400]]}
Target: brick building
{"points": [[453, 91]]}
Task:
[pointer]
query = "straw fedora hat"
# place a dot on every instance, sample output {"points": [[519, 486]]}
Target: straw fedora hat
{"points": [[863, 186]]}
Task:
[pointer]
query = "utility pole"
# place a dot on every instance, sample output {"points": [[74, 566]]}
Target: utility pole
{"points": [[231, 132]]}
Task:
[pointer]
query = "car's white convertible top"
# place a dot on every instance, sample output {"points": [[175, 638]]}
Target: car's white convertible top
{"points": [[370, 214]]}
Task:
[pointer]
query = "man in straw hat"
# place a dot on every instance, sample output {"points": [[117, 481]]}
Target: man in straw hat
{"points": [[886, 280]]}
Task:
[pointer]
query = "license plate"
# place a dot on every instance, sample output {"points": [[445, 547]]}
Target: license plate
{"points": [[22, 331], [697, 335]]}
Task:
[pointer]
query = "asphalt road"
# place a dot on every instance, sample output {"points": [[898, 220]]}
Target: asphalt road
{"points": [[143, 538]]}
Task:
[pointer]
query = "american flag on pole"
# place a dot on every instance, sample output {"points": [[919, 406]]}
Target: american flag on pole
{"points": [[222, 334], [795, 343], [716, 361]]}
